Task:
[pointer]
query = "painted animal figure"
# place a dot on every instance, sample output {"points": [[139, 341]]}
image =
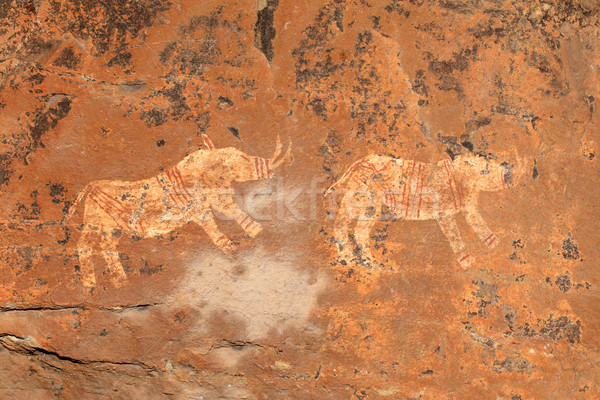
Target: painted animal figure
{"points": [[188, 192], [379, 187]]}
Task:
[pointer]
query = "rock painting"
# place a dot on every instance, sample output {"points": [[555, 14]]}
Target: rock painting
{"points": [[379, 187], [188, 192]]}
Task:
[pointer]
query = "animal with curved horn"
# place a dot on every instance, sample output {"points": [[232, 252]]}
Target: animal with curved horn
{"points": [[381, 187], [188, 192]]}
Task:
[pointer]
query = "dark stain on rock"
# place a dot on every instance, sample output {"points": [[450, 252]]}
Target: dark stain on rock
{"points": [[57, 192], [513, 364], [5, 170], [553, 329], [148, 270], [453, 148], [419, 85], [234, 131], [535, 173], [487, 295], [338, 17], [122, 59], [564, 282], [106, 22], [67, 59], [225, 102], [474, 124], [264, 30], [444, 70], [153, 117], [569, 248], [28, 212], [48, 119], [329, 151], [561, 328]]}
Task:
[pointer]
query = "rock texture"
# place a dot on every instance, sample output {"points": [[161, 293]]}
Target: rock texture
{"points": [[245, 288]]}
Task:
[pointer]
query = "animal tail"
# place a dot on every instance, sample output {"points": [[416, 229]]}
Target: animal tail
{"points": [[73, 208]]}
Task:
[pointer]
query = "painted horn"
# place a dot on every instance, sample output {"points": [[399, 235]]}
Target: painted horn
{"points": [[287, 156], [277, 149]]}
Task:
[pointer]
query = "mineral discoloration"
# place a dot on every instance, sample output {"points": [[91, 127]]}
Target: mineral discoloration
{"points": [[122, 91]]}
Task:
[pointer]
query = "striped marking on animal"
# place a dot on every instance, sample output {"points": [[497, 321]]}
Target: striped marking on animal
{"points": [[452, 183], [431, 191], [490, 240], [221, 240], [110, 206], [262, 167], [115, 209], [464, 258], [390, 199], [246, 222], [192, 191], [172, 184], [350, 173]]}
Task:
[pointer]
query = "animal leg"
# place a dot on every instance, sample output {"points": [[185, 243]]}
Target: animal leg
{"points": [[450, 229], [362, 235], [85, 250], [231, 210], [480, 227], [207, 222], [113, 261], [340, 231]]}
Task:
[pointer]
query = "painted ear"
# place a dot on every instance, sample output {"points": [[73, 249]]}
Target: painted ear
{"points": [[207, 142]]}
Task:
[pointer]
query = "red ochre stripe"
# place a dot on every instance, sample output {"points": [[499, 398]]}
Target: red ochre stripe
{"points": [[108, 204], [269, 172], [459, 193], [465, 257], [262, 168], [446, 163], [179, 189], [221, 238], [256, 165], [248, 224], [180, 177], [176, 193], [116, 203], [106, 211]]}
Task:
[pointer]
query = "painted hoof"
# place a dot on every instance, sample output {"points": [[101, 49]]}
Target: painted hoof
{"points": [[254, 230], [118, 280], [229, 247], [88, 281]]}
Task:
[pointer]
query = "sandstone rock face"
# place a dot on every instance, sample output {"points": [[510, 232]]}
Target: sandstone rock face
{"points": [[345, 199]]}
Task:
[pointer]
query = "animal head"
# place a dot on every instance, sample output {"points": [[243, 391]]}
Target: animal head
{"points": [[243, 168], [484, 174]]}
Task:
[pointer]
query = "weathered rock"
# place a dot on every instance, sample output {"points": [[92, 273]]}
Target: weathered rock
{"points": [[166, 229]]}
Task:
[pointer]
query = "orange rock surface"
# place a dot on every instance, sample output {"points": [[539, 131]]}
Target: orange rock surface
{"points": [[208, 262]]}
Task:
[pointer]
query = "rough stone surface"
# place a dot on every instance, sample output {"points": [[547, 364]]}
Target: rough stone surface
{"points": [[454, 256]]}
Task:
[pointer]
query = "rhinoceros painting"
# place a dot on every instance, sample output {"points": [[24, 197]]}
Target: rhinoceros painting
{"points": [[380, 187], [188, 192]]}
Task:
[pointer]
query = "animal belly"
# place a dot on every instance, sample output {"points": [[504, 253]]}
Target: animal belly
{"points": [[159, 219], [406, 196]]}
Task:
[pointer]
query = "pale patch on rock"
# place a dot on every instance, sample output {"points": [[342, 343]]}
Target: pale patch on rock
{"points": [[263, 290]]}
